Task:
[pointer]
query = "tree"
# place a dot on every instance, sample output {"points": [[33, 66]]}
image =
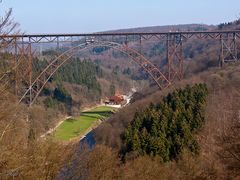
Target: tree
{"points": [[229, 144], [98, 163], [8, 107], [167, 128], [7, 24], [112, 90]]}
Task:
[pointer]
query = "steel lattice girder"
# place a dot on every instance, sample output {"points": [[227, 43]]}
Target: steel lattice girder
{"points": [[37, 85]]}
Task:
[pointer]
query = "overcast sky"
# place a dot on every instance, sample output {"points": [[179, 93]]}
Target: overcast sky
{"points": [[78, 16]]}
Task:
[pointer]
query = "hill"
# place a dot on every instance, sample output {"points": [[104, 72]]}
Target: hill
{"points": [[198, 129], [167, 28], [220, 116]]}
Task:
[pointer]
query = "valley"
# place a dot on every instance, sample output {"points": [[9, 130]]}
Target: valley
{"points": [[146, 103]]}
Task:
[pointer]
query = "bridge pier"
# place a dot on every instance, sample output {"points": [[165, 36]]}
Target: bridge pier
{"points": [[174, 56], [18, 77], [229, 49], [23, 73]]}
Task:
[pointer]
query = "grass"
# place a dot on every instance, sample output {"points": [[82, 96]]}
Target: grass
{"points": [[75, 127]]}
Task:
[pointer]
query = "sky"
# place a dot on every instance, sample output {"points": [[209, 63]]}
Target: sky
{"points": [[85, 16]]}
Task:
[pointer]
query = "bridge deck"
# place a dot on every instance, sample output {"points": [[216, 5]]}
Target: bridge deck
{"points": [[122, 34]]}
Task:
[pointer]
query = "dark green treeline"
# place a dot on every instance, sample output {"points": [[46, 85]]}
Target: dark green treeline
{"points": [[167, 128]]}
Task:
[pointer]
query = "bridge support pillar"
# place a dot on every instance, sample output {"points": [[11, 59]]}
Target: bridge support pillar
{"points": [[23, 72], [174, 56], [229, 49]]}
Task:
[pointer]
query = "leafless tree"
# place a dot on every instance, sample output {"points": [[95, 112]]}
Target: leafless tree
{"points": [[7, 26], [229, 143], [7, 23]]}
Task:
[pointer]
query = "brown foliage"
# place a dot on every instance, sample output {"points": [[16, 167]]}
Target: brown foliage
{"points": [[229, 143], [42, 119], [99, 163], [103, 163], [20, 157], [223, 101], [46, 159], [144, 168]]}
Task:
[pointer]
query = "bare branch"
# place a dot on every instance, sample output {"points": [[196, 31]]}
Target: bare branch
{"points": [[7, 23]]}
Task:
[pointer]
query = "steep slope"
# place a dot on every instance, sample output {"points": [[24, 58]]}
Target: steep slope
{"points": [[217, 80], [214, 138]]}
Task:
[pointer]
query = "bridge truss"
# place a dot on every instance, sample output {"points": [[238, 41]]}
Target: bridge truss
{"points": [[21, 47]]}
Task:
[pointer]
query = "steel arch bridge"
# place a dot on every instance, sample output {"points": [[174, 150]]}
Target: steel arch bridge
{"points": [[38, 84], [21, 46]]}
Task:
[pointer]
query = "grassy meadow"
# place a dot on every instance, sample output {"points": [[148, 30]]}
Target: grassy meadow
{"points": [[77, 126]]}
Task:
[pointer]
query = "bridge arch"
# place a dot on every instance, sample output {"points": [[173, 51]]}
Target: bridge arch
{"points": [[38, 84]]}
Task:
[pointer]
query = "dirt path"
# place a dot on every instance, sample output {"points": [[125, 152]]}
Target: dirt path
{"points": [[53, 129], [95, 125], [65, 118], [90, 108]]}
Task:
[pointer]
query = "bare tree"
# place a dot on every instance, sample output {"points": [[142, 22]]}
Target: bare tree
{"points": [[7, 26], [7, 23], [229, 143], [12, 125]]}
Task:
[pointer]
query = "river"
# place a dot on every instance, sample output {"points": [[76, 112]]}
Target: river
{"points": [[88, 140]]}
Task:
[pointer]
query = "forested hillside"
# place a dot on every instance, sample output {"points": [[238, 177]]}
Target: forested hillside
{"points": [[201, 145], [165, 129], [80, 72], [179, 27], [84, 80]]}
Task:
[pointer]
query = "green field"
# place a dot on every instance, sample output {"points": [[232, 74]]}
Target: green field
{"points": [[76, 126]]}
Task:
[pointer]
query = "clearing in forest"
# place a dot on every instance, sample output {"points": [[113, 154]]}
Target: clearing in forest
{"points": [[77, 126]]}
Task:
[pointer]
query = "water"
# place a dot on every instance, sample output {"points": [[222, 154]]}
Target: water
{"points": [[88, 141]]}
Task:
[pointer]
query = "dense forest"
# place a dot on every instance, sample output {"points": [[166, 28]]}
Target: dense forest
{"points": [[167, 128], [81, 72]]}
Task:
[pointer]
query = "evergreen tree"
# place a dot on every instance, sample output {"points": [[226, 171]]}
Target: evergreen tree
{"points": [[112, 90], [167, 128]]}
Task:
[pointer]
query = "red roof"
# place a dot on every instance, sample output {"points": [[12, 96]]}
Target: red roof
{"points": [[116, 99]]}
